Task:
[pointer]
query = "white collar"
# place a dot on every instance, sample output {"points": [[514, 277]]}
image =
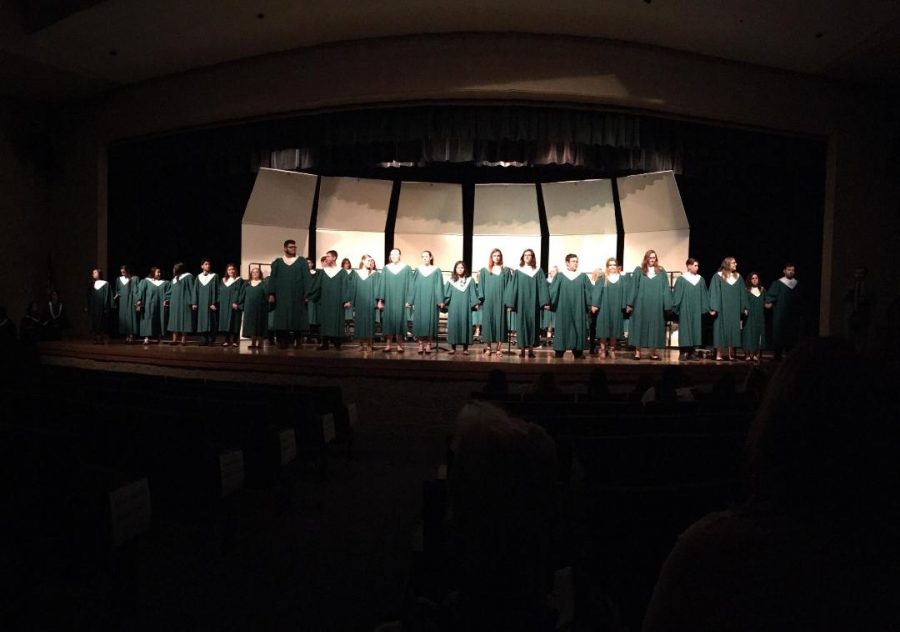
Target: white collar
{"points": [[255, 283], [181, 276], [571, 275], [230, 280], [364, 273], [124, 280], [732, 279], [527, 270], [426, 271], [99, 284], [3, 322], [348, 270], [395, 268], [289, 261], [691, 278], [755, 291], [462, 284], [651, 272], [53, 312], [205, 278], [156, 282], [612, 278], [791, 283], [332, 271], [501, 269]]}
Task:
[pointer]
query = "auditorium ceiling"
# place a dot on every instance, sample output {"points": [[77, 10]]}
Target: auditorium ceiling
{"points": [[57, 50]]}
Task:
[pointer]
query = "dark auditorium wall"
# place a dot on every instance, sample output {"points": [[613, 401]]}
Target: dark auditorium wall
{"points": [[860, 209], [24, 206]]}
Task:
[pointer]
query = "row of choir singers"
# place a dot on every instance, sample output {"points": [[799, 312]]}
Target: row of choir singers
{"points": [[207, 304]]}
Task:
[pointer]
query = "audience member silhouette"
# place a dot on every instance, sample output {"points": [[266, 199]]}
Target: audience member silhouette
{"points": [[504, 503], [597, 386], [497, 386], [816, 546]]}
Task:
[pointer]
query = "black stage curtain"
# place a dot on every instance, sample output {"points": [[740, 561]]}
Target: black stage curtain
{"points": [[481, 135]]}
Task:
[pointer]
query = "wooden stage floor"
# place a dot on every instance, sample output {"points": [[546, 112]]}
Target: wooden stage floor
{"points": [[349, 362]]}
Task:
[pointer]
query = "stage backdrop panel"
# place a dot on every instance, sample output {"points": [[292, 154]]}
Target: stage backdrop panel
{"points": [[352, 217], [279, 208], [429, 217], [581, 217], [654, 218], [506, 217]]}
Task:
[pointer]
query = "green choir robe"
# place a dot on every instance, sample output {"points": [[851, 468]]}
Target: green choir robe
{"points": [[99, 301], [231, 293], [207, 296], [548, 316], [182, 296], [753, 335], [491, 291], [289, 284], [609, 297], [363, 290], [460, 298], [349, 311], [570, 298], [527, 293], [256, 309], [152, 295], [650, 298], [729, 300], [395, 289], [690, 301], [312, 316], [427, 291], [787, 313], [330, 290], [126, 297]]}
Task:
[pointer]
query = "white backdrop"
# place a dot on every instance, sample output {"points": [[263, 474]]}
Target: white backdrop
{"points": [[352, 216], [279, 208], [429, 217], [581, 217], [506, 217], [654, 219]]}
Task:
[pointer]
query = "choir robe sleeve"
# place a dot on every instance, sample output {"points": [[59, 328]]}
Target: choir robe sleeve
{"points": [[715, 293], [510, 292], [411, 285], [667, 292], [543, 293], [353, 287], [588, 292], [437, 288], [240, 295], [315, 289], [193, 289], [678, 295], [634, 286], [480, 286], [273, 275], [597, 293], [745, 300], [447, 294], [772, 294], [472, 296], [214, 291], [347, 287], [379, 286], [554, 292]]}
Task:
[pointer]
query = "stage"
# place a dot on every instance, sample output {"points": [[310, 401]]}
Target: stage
{"points": [[307, 362]]}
